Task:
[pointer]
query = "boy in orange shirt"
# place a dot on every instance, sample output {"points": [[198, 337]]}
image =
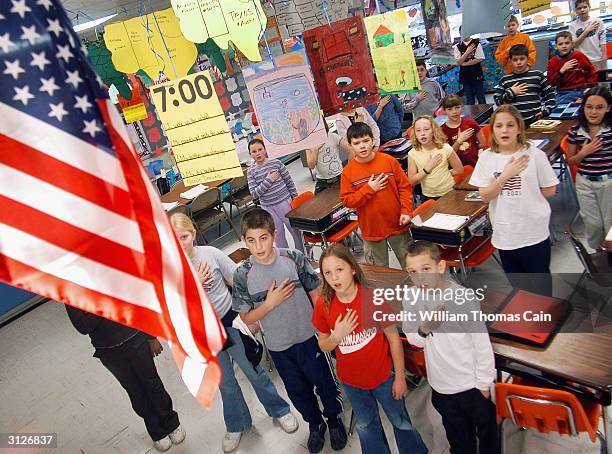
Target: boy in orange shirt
{"points": [[376, 186], [502, 54]]}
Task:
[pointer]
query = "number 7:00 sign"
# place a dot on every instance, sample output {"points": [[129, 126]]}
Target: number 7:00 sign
{"points": [[185, 90]]}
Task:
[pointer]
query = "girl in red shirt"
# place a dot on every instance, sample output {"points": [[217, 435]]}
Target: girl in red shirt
{"points": [[345, 317]]}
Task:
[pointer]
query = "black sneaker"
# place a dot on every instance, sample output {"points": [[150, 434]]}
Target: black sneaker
{"points": [[316, 439], [337, 435]]}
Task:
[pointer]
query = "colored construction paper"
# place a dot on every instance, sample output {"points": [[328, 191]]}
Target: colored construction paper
{"points": [[101, 58], [438, 31], [341, 65], [285, 102], [141, 42], [196, 128], [240, 21], [392, 53]]}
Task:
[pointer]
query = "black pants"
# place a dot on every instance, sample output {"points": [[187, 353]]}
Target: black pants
{"points": [[135, 370], [528, 267], [304, 369], [468, 416]]}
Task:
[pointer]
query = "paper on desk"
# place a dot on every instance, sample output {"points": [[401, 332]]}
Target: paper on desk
{"points": [[170, 205], [609, 235], [445, 221], [539, 143], [194, 192], [417, 220]]}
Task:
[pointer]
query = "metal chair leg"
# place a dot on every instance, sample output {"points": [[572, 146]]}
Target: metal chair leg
{"points": [[352, 424], [266, 351]]}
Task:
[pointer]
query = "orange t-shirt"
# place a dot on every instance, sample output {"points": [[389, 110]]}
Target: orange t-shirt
{"points": [[363, 359], [502, 56], [378, 212]]}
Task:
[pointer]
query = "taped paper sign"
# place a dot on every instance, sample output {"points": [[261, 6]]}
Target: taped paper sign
{"points": [[137, 44], [296, 16], [134, 113], [392, 53], [341, 65], [529, 7], [239, 21], [196, 128], [285, 103]]}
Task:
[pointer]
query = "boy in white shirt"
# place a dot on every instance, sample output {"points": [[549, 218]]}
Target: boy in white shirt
{"points": [[458, 355], [589, 35]]}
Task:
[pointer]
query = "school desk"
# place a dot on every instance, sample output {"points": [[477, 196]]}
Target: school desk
{"points": [[463, 237], [175, 193]]}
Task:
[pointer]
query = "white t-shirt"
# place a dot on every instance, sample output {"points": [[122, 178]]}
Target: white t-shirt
{"points": [[329, 164], [520, 213], [591, 46]]}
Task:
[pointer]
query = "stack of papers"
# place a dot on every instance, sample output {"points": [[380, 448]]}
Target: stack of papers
{"points": [[194, 192], [445, 221], [169, 206]]}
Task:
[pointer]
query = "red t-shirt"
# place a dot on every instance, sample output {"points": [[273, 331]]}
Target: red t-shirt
{"points": [[363, 359], [468, 151]]}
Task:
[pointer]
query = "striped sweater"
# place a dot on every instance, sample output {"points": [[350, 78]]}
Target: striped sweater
{"points": [[540, 95], [270, 192]]}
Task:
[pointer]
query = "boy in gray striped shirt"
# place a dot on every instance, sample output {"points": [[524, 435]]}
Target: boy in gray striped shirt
{"points": [[526, 89]]}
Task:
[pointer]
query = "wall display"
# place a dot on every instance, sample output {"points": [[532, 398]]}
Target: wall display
{"points": [[134, 108], [392, 53], [137, 44], [341, 66], [239, 21], [529, 7], [497, 13], [296, 16], [102, 60], [196, 128], [285, 103], [438, 31]]}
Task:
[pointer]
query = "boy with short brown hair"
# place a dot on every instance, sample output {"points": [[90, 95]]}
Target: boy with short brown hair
{"points": [[375, 185]]}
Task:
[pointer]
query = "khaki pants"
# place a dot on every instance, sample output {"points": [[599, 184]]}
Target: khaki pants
{"points": [[595, 199], [376, 252]]}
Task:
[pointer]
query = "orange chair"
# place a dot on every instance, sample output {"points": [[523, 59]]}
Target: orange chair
{"points": [[477, 250], [408, 132], [334, 235], [609, 47], [414, 359], [422, 207], [466, 171], [565, 149], [486, 130], [547, 410]]}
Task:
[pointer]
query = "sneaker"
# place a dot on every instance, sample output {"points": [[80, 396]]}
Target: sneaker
{"points": [[316, 439], [178, 435], [337, 435], [288, 422], [163, 445], [231, 441]]}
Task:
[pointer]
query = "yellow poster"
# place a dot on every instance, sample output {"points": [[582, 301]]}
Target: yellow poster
{"points": [[137, 44], [392, 53], [135, 113], [529, 7], [191, 115], [240, 21]]}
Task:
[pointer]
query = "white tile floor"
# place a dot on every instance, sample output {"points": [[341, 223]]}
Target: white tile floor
{"points": [[49, 382]]}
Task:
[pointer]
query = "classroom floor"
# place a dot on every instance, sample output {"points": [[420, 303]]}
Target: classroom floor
{"points": [[49, 382]]}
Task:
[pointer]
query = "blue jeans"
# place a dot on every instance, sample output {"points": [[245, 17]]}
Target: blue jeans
{"points": [[568, 96], [369, 428], [235, 411], [473, 91]]}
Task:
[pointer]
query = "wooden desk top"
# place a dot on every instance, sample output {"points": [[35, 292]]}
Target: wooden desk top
{"points": [[321, 205], [175, 193], [554, 136], [452, 203]]}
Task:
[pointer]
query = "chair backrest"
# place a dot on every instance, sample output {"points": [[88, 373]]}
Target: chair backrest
{"points": [[609, 47], [238, 183], [565, 149], [466, 170], [408, 132], [414, 359], [422, 207], [544, 409], [581, 252], [180, 209], [303, 197], [486, 131], [208, 199]]}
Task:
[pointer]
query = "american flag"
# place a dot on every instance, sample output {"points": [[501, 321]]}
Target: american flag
{"points": [[80, 223]]}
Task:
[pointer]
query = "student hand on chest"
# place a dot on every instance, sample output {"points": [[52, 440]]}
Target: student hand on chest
{"points": [[274, 175], [345, 325], [515, 166], [519, 88], [278, 295], [432, 162], [591, 146], [378, 182], [464, 136], [570, 64], [205, 275]]}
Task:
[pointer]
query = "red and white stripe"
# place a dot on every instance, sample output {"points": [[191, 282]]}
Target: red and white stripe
{"points": [[86, 228]]}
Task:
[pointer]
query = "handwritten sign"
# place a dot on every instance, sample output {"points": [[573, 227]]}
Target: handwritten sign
{"points": [[137, 44], [239, 21], [529, 7], [392, 53], [296, 16], [196, 128]]}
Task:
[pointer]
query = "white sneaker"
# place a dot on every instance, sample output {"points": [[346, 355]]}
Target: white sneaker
{"points": [[163, 445], [288, 423], [231, 441], [178, 435]]}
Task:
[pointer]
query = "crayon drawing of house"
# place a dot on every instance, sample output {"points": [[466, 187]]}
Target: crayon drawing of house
{"points": [[383, 36]]}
